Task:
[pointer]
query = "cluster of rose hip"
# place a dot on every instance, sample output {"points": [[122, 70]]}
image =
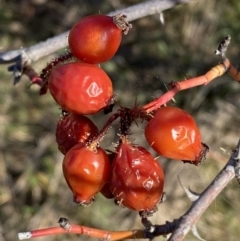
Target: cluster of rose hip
{"points": [[130, 174]]}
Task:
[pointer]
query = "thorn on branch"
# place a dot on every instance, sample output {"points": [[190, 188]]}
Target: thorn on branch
{"points": [[193, 196], [196, 234]]}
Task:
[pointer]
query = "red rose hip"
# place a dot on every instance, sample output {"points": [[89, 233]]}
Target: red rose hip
{"points": [[95, 39], [137, 179], [80, 88], [86, 171], [173, 133], [72, 129]]}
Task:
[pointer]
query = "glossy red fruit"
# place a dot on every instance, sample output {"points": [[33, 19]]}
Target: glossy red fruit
{"points": [[137, 179], [86, 171], [72, 129], [173, 133], [80, 88], [95, 39]]}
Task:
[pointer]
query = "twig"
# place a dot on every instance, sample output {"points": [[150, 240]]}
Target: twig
{"points": [[221, 51], [51, 45], [149, 232], [224, 67], [67, 227], [190, 218], [213, 73], [179, 227]]}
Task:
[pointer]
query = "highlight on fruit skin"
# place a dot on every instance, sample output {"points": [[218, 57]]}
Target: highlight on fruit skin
{"points": [[80, 88], [137, 179], [72, 129], [173, 133], [86, 170]]}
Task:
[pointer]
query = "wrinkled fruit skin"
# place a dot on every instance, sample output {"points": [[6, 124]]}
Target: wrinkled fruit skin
{"points": [[137, 179], [173, 133], [72, 129], [86, 172], [80, 88], [94, 39]]}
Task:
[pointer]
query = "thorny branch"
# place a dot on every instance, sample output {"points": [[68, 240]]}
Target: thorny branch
{"points": [[26, 56], [190, 218], [178, 228]]}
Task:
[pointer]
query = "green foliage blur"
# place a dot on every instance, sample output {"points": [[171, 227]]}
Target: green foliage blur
{"points": [[33, 192]]}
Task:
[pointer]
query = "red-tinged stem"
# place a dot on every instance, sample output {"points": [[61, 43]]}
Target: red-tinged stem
{"points": [[41, 232], [103, 131], [127, 117], [102, 234], [161, 100], [213, 73], [33, 76]]}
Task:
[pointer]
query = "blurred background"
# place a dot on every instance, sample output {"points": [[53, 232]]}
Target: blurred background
{"points": [[33, 192]]}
